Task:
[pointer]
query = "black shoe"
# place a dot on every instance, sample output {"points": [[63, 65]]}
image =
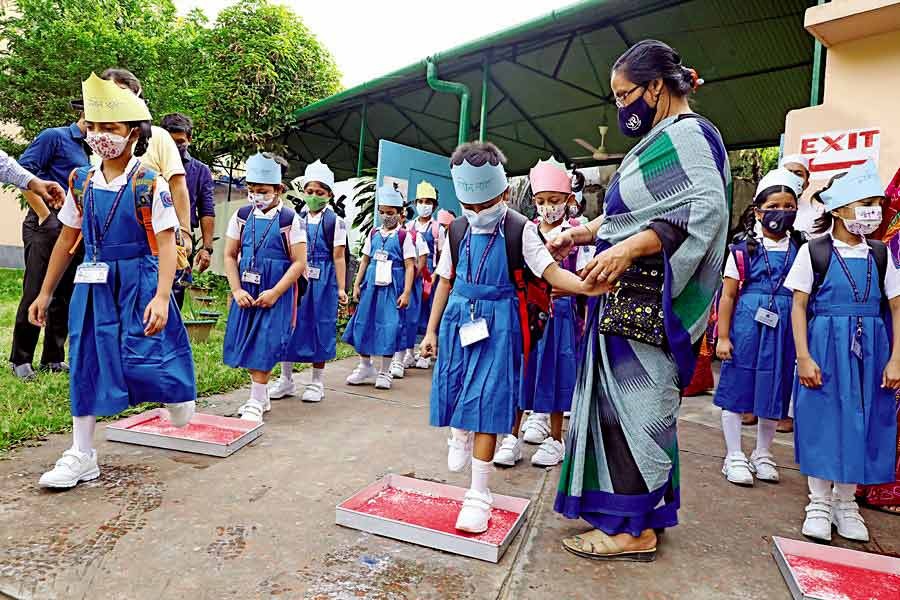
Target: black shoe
{"points": [[56, 367], [24, 372]]}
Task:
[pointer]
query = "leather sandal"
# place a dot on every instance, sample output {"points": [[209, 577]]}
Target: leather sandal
{"points": [[597, 545]]}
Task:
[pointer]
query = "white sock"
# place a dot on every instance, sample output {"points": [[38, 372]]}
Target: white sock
{"points": [[819, 488], [481, 475], [731, 427], [83, 433], [386, 364], [317, 375], [180, 413], [409, 353], [287, 371], [765, 433], [459, 434], [259, 392], [365, 362], [845, 492]]}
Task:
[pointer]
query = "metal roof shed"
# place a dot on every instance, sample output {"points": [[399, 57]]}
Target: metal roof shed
{"points": [[536, 86]]}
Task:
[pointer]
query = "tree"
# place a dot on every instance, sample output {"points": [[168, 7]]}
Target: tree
{"points": [[753, 164]]}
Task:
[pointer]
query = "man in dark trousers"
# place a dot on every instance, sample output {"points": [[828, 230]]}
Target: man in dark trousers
{"points": [[200, 190], [53, 155]]}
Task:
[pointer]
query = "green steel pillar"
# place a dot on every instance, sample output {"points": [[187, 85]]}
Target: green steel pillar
{"points": [[485, 78], [361, 157], [818, 72]]}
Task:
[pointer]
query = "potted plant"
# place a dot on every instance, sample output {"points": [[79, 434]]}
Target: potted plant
{"points": [[199, 324]]}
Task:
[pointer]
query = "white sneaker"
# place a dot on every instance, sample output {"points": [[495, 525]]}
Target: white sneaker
{"points": [[181, 413], [314, 392], [509, 453], [850, 524], [764, 467], [475, 514], [72, 468], [384, 381], [362, 376], [536, 428], [818, 519], [397, 370], [253, 410], [409, 360], [423, 363], [550, 454], [736, 469], [282, 388], [459, 453]]}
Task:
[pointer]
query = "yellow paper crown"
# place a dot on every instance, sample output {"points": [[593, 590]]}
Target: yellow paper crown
{"points": [[426, 191], [106, 102]]}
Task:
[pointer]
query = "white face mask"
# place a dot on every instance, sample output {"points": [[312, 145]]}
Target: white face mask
{"points": [[260, 201], [868, 220], [424, 210], [551, 213], [107, 145], [486, 219]]}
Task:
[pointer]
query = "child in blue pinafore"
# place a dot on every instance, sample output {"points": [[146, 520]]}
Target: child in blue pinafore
{"points": [[847, 364], [315, 337], [405, 358], [548, 380], [383, 288], [479, 347], [756, 343], [265, 256], [126, 340]]}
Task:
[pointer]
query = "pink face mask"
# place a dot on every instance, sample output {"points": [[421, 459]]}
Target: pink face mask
{"points": [[107, 145]]}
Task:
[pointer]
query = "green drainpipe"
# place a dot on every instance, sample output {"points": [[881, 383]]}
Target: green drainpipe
{"points": [[452, 87]]}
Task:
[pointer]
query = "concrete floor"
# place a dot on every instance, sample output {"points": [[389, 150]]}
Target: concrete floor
{"points": [[260, 524]]}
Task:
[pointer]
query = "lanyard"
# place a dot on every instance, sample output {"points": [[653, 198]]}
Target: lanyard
{"points": [[854, 289], [784, 272], [256, 245], [95, 227], [484, 256], [318, 229]]}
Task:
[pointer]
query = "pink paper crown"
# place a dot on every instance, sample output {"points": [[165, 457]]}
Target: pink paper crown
{"points": [[549, 176]]}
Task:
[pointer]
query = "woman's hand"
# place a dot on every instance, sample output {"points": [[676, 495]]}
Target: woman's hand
{"points": [[343, 299], [403, 300], [594, 289], [891, 377], [267, 299], [609, 265], [809, 372], [156, 315], [37, 312], [561, 245], [356, 292], [428, 347], [724, 348], [243, 298]]}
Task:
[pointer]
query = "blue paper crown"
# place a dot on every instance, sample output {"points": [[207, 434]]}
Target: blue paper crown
{"points": [[263, 170], [388, 196], [860, 182], [477, 185]]}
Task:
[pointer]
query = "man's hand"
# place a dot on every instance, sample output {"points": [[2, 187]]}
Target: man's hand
{"points": [[51, 192], [202, 260]]}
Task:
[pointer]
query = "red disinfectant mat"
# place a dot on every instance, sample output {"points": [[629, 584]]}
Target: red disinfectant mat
{"points": [[819, 572], [205, 434], [424, 513]]}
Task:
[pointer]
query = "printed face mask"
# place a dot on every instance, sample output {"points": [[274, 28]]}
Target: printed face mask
{"points": [[486, 219], [315, 203], [106, 145], [778, 221], [636, 119], [868, 219], [260, 201], [424, 210], [551, 213], [390, 221]]}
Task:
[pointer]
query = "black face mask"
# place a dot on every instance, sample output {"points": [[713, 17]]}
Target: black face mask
{"points": [[183, 151], [778, 221]]}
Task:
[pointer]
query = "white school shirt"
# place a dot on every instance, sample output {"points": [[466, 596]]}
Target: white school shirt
{"points": [[801, 276], [438, 243], [340, 226], [536, 255], [782, 245], [163, 210], [409, 249], [298, 229], [421, 246], [585, 253]]}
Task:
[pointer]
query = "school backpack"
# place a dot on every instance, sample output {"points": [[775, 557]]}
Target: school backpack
{"points": [[285, 220], [328, 224], [533, 292], [427, 278], [820, 251]]}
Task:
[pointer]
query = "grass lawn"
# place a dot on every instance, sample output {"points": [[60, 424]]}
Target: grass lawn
{"points": [[29, 411]]}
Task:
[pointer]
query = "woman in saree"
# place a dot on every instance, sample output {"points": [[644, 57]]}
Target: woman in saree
{"points": [[667, 205]]}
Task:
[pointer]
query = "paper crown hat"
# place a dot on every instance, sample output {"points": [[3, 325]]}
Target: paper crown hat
{"points": [[388, 196], [261, 169], [777, 177], [318, 171], [106, 102], [477, 185], [550, 176], [860, 182], [426, 191], [795, 158]]}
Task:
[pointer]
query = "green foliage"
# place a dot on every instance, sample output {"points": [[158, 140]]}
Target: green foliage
{"points": [[240, 79], [753, 164], [364, 199]]}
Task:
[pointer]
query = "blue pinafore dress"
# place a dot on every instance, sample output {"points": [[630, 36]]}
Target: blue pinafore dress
{"points": [[315, 338], [257, 338], [377, 326], [113, 364], [477, 388], [412, 312], [846, 431], [425, 310], [760, 376]]}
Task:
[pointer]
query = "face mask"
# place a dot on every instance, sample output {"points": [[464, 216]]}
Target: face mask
{"points": [[868, 220], [183, 151], [551, 213], [390, 221], [572, 211], [486, 219], [778, 221], [107, 145], [424, 210], [636, 119], [315, 203], [260, 201]]}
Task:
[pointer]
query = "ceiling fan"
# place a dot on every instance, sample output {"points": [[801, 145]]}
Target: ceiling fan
{"points": [[598, 153]]}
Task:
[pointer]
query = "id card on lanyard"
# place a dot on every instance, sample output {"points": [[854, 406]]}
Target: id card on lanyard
{"points": [[476, 330], [856, 337], [384, 266], [251, 275], [767, 316]]}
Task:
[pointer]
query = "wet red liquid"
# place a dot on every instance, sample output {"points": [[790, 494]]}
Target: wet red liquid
{"points": [[833, 581], [431, 512], [192, 431]]}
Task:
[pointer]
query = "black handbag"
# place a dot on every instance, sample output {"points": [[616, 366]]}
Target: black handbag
{"points": [[633, 308]]}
